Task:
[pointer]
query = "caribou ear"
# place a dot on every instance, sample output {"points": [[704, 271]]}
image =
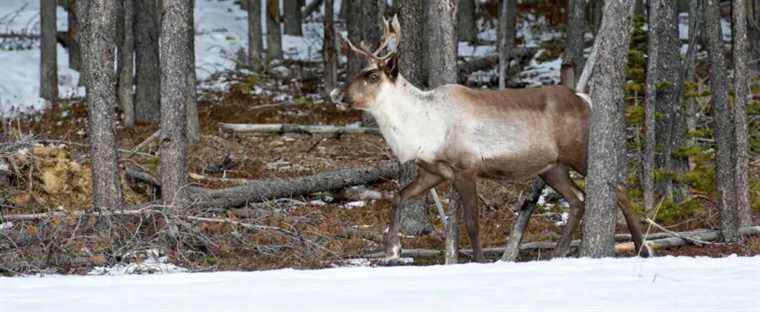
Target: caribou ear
{"points": [[391, 66]]}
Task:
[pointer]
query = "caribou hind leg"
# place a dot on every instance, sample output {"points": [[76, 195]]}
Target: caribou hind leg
{"points": [[624, 203], [559, 179]]}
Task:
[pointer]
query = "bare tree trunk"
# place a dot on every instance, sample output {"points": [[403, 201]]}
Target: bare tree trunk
{"points": [[176, 92], [363, 24], [441, 23], [72, 36], [292, 13], [126, 65], [686, 110], [467, 28], [754, 34], [98, 31], [576, 29], [147, 73], [274, 33], [742, 92], [255, 44], [597, 10], [330, 50], [663, 83], [724, 137], [412, 50], [507, 28], [48, 52], [607, 94]]}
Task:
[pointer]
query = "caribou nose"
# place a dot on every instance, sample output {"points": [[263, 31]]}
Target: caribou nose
{"points": [[336, 95]]}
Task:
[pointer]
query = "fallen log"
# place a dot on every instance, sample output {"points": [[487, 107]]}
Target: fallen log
{"points": [[490, 61], [292, 128], [261, 190], [626, 247]]}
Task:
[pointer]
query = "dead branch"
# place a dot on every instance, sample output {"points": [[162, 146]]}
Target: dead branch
{"points": [[145, 209], [261, 190], [147, 141], [292, 128], [196, 176], [490, 61]]}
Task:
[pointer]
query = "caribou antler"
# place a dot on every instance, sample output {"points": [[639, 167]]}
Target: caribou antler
{"points": [[391, 31]]}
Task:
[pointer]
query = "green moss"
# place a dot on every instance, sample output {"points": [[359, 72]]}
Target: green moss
{"points": [[634, 115], [664, 85], [754, 194]]}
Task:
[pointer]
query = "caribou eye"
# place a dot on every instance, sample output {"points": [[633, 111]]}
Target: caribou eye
{"points": [[374, 77]]}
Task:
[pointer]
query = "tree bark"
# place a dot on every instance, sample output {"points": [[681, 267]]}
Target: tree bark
{"points": [[662, 99], [274, 33], [255, 44], [147, 71], [754, 34], [330, 51], [292, 13], [412, 51], [507, 31], [126, 67], [176, 92], [723, 128], [742, 78], [72, 35], [607, 92], [98, 40], [467, 28], [48, 52], [576, 29], [363, 25], [597, 10], [686, 110], [277, 188]]}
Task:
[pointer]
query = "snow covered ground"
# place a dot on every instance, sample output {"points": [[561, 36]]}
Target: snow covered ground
{"points": [[631, 284]]}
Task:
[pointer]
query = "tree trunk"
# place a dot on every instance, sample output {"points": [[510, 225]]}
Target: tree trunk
{"points": [[48, 52], [686, 110], [176, 92], [607, 93], [255, 44], [597, 10], [467, 28], [363, 24], [126, 66], [507, 30], [441, 24], [723, 128], [98, 31], [412, 50], [741, 83], [147, 73], [754, 34], [330, 51], [292, 13], [274, 33], [576, 29], [663, 83], [72, 34]]}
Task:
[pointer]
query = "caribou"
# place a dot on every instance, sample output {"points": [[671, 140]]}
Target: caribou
{"points": [[459, 134]]}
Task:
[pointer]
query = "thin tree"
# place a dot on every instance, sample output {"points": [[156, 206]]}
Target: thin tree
{"points": [[576, 29], [255, 34], [507, 31], [330, 49], [126, 67], [48, 52], [741, 98], [292, 12], [72, 35], [412, 50], [608, 98], [363, 25], [754, 33], [467, 27], [725, 186], [595, 18], [441, 23], [98, 31], [274, 33], [662, 99], [147, 72], [176, 92]]}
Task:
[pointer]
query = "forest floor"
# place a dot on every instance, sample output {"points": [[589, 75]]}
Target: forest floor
{"points": [[325, 229]]}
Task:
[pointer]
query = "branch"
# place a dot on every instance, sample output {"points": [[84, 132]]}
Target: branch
{"points": [[293, 128]]}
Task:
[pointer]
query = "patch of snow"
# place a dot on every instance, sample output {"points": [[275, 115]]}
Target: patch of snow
{"points": [[629, 284], [152, 263], [355, 204], [6, 226]]}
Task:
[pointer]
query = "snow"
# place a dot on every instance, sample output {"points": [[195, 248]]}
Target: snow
{"points": [[628, 284]]}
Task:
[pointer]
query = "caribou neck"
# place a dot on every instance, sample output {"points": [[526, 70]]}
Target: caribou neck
{"points": [[413, 122]]}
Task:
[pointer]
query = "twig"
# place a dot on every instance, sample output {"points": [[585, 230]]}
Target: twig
{"points": [[678, 235], [147, 141], [439, 207]]}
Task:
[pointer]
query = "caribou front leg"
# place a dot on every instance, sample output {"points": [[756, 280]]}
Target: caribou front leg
{"points": [[422, 183]]}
